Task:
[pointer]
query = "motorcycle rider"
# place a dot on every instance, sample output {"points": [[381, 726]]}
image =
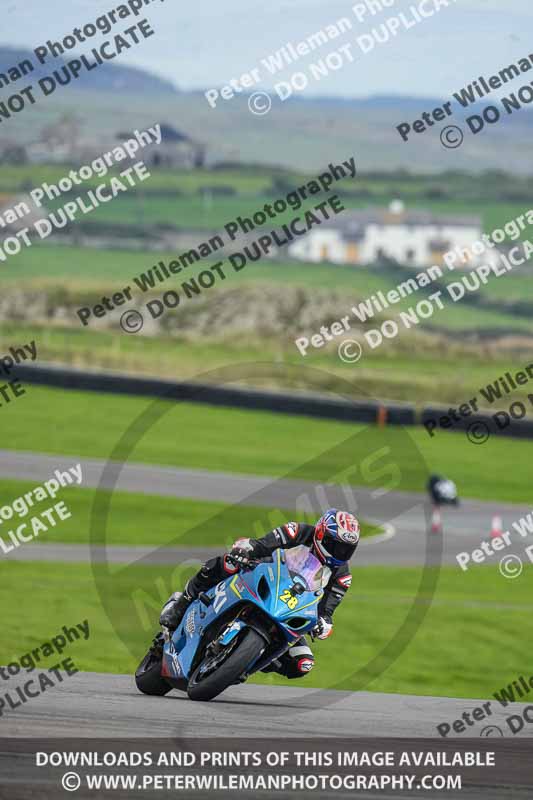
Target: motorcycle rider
{"points": [[442, 491], [333, 540]]}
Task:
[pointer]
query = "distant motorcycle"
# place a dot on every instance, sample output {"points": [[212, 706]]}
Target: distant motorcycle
{"points": [[442, 491], [238, 627]]}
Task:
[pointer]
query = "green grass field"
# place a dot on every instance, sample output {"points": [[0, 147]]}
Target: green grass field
{"points": [[254, 186], [139, 207], [16, 178], [488, 189], [104, 271], [470, 643], [150, 520], [208, 211], [83, 266], [241, 441], [418, 371]]}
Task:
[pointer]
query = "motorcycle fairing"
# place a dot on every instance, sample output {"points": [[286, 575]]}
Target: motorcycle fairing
{"points": [[264, 587]]}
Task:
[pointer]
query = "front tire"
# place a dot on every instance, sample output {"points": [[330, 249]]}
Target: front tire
{"points": [[209, 686], [148, 676]]}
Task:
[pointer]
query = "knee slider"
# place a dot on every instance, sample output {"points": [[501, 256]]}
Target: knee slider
{"points": [[305, 665]]}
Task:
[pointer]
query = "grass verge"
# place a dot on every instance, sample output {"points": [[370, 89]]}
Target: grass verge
{"points": [[469, 645], [422, 369], [241, 441], [149, 520]]}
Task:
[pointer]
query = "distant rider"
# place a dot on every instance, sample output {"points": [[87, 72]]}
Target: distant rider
{"points": [[333, 540], [442, 491]]}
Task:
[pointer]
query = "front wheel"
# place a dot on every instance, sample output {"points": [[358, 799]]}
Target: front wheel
{"points": [[216, 673], [148, 675]]}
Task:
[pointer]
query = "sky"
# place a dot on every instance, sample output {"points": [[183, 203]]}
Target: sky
{"points": [[204, 44]]}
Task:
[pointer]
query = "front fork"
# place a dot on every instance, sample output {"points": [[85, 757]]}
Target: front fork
{"points": [[269, 658], [235, 627]]}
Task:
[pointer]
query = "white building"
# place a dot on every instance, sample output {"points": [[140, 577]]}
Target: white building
{"points": [[412, 238]]}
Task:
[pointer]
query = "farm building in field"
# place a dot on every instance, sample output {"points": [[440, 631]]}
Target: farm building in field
{"points": [[64, 143], [411, 238], [176, 149]]}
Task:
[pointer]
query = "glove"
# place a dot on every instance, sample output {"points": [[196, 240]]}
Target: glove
{"points": [[240, 559], [241, 552], [323, 629], [243, 545]]}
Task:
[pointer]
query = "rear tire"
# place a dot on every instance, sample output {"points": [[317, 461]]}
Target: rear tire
{"points": [[148, 676], [229, 671]]}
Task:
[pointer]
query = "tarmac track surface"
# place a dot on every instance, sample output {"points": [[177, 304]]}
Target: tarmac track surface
{"points": [[105, 708], [92, 705], [405, 513]]}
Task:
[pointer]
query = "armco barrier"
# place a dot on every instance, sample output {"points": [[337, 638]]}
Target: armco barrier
{"points": [[314, 406], [299, 404], [517, 429]]}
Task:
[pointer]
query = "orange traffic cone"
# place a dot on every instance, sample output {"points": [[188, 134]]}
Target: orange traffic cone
{"points": [[436, 520], [496, 527]]}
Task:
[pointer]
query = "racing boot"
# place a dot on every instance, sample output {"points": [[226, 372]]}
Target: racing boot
{"points": [[174, 609], [156, 648]]}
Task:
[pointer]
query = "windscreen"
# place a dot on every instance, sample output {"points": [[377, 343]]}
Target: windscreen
{"points": [[301, 562]]}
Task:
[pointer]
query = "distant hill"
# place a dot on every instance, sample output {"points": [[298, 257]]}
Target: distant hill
{"points": [[406, 108], [109, 77], [412, 107], [303, 133]]}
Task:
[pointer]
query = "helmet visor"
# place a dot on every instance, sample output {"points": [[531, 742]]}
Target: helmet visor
{"points": [[340, 551]]}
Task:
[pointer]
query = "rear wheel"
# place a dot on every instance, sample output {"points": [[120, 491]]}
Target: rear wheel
{"points": [[216, 672], [148, 674]]}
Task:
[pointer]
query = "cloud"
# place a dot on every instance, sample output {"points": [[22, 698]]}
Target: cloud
{"points": [[205, 46]]}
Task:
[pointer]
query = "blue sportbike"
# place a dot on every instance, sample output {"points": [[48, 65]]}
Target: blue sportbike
{"points": [[238, 627]]}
